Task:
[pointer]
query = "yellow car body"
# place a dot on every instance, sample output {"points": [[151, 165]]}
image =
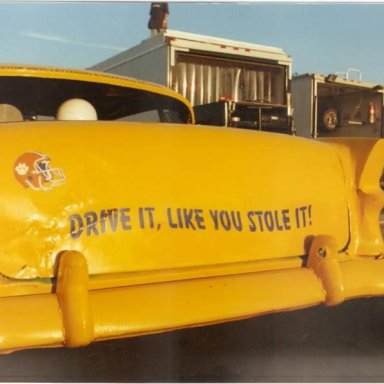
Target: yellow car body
{"points": [[129, 227]]}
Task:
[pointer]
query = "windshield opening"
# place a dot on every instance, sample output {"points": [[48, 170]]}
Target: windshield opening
{"points": [[40, 98]]}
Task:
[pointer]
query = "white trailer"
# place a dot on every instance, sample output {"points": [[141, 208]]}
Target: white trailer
{"points": [[336, 106], [229, 83]]}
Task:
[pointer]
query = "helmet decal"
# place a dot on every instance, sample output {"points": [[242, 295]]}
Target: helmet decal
{"points": [[33, 170]]}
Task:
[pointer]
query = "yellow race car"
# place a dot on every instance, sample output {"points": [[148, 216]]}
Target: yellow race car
{"points": [[119, 216]]}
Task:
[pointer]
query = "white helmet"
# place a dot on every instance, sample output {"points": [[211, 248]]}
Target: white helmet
{"points": [[76, 109], [9, 113]]}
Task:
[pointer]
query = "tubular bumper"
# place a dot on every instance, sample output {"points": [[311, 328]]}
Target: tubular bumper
{"points": [[74, 316]]}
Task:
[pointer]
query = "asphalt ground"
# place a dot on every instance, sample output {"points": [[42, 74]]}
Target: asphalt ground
{"points": [[339, 344]]}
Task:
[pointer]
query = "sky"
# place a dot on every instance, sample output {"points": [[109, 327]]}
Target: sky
{"points": [[320, 37]]}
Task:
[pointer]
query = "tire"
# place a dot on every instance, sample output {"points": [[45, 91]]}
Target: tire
{"points": [[330, 119]]}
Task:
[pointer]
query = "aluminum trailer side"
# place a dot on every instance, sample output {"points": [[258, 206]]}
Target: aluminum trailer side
{"points": [[230, 83]]}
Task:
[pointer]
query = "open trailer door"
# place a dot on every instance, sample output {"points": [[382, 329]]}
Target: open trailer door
{"points": [[333, 106]]}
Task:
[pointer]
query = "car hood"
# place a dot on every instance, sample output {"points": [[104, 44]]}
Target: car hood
{"points": [[139, 197]]}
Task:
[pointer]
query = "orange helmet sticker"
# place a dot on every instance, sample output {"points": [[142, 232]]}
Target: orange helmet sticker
{"points": [[33, 170]]}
